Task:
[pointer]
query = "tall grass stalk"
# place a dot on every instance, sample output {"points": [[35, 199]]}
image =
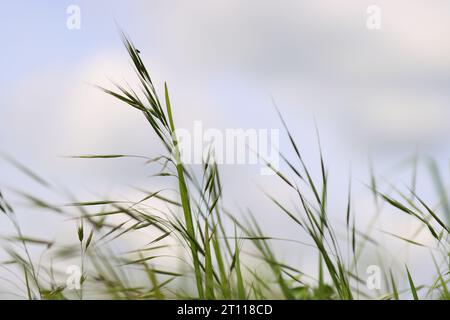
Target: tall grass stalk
{"points": [[196, 224]]}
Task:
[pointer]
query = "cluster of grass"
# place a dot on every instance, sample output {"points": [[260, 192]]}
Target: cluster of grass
{"points": [[196, 248]]}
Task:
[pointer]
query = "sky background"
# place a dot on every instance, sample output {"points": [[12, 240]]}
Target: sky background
{"points": [[378, 92]]}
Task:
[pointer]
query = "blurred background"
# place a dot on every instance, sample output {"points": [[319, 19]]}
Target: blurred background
{"points": [[375, 94]]}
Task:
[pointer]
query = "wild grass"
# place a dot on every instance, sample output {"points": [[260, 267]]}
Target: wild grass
{"points": [[196, 248]]}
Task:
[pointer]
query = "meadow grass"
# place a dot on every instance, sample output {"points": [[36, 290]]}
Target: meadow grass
{"points": [[203, 247]]}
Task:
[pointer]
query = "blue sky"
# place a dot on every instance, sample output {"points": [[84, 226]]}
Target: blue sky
{"points": [[224, 62]]}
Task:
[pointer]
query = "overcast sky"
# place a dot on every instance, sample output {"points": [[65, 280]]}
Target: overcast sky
{"points": [[385, 90]]}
